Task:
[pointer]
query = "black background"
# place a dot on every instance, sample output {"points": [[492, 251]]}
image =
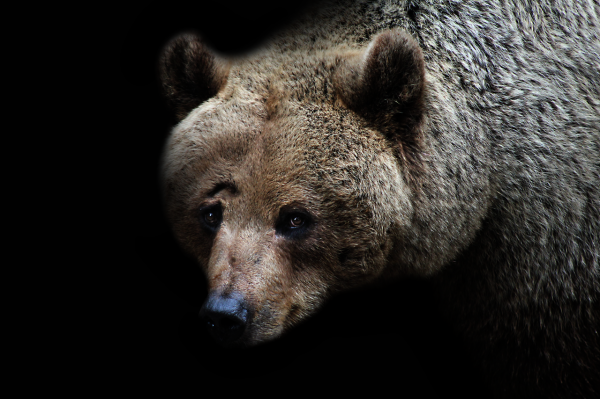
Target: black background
{"points": [[132, 325]]}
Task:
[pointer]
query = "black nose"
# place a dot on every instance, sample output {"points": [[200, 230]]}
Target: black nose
{"points": [[226, 317]]}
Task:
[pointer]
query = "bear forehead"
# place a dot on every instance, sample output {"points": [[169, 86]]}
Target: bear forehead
{"points": [[241, 125]]}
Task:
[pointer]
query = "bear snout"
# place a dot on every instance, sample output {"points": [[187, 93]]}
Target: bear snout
{"points": [[225, 316]]}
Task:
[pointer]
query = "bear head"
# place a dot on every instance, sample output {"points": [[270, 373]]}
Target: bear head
{"points": [[289, 175]]}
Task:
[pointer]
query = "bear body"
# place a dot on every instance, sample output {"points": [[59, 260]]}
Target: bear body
{"points": [[458, 141]]}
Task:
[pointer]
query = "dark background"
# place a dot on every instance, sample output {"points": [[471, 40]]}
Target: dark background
{"points": [[137, 331]]}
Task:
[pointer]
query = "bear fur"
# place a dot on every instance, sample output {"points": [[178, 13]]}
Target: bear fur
{"points": [[453, 140]]}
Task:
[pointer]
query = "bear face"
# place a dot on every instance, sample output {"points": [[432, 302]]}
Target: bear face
{"points": [[268, 222]]}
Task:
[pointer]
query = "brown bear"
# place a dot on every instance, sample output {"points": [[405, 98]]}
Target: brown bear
{"points": [[453, 140]]}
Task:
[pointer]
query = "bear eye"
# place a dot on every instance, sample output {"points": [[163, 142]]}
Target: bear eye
{"points": [[296, 221], [293, 224], [211, 217]]}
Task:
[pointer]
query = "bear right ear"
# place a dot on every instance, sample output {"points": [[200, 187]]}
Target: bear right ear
{"points": [[190, 74], [385, 83]]}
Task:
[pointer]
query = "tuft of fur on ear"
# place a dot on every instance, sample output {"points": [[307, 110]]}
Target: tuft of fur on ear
{"points": [[190, 74], [386, 85]]}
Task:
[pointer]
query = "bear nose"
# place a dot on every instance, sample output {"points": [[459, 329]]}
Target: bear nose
{"points": [[226, 317]]}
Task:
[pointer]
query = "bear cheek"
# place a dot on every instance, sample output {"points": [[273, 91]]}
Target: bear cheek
{"points": [[289, 294], [275, 292], [307, 277]]}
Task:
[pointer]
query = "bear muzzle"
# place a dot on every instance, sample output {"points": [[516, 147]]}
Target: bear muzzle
{"points": [[226, 317]]}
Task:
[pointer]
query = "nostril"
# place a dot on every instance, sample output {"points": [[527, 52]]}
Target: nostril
{"points": [[222, 321], [208, 320], [229, 323]]}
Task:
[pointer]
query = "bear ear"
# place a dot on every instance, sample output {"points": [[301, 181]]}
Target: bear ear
{"points": [[386, 85], [190, 74]]}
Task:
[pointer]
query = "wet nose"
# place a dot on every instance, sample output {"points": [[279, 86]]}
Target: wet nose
{"points": [[225, 316]]}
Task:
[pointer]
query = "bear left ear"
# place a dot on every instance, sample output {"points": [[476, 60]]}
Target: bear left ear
{"points": [[190, 73], [386, 85]]}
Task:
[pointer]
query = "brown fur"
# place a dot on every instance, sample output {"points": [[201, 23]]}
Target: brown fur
{"points": [[453, 140]]}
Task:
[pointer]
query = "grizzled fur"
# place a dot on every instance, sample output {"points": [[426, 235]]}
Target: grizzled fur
{"points": [[458, 140]]}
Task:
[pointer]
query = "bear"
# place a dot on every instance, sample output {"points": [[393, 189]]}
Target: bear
{"points": [[370, 141]]}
